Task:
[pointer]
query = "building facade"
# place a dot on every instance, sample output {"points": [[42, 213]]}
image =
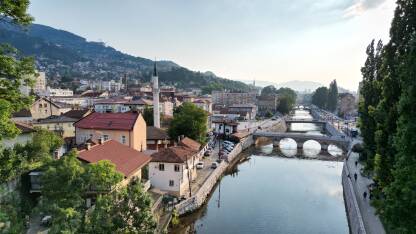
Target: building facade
{"points": [[229, 98], [128, 128]]}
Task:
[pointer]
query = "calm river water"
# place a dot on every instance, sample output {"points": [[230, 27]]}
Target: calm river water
{"points": [[274, 194]]}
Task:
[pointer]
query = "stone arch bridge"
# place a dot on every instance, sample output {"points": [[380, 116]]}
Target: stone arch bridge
{"points": [[301, 138]]}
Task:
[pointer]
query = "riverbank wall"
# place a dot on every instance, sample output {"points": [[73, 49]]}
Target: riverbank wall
{"points": [[199, 198], [355, 219]]}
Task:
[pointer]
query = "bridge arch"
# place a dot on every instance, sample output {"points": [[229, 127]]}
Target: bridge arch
{"points": [[288, 147], [311, 148]]}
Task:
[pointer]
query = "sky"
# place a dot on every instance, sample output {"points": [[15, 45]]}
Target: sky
{"points": [[269, 40]]}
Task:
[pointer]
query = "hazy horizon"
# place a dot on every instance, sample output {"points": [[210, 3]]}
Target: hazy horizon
{"points": [[275, 41]]}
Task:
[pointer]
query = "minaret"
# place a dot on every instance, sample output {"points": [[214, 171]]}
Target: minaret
{"points": [[156, 114]]}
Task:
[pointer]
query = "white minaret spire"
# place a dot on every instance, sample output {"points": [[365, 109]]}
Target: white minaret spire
{"points": [[156, 114]]}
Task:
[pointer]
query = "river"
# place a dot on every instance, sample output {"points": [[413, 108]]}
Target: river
{"points": [[270, 193]]}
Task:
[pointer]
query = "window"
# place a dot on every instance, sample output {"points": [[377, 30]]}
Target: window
{"points": [[123, 139], [45, 105], [177, 168], [40, 105], [105, 137], [90, 136], [171, 183], [161, 167]]}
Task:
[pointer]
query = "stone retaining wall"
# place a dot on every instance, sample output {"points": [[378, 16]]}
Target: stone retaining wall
{"points": [[199, 198], [355, 219]]}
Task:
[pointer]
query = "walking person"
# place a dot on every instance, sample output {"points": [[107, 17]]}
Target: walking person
{"points": [[355, 176], [365, 195], [356, 163]]}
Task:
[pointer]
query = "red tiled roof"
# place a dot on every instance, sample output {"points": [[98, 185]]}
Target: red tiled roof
{"points": [[110, 121], [188, 142], [175, 154], [126, 159]]}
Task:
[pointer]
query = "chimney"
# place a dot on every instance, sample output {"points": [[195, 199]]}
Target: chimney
{"points": [[88, 146], [100, 140]]}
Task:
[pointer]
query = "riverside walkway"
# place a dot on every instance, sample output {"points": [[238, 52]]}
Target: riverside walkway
{"points": [[371, 220]]}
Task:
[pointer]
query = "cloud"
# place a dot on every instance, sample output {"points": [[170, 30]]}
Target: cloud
{"points": [[360, 6]]}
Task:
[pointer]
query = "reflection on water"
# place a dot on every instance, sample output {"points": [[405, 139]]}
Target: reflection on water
{"points": [[266, 149], [302, 114], [335, 150], [311, 148], [288, 147], [307, 128], [275, 195]]}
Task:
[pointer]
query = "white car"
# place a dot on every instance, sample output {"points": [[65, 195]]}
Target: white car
{"points": [[200, 165]]}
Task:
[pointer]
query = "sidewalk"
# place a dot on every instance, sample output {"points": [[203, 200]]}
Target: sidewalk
{"points": [[371, 221]]}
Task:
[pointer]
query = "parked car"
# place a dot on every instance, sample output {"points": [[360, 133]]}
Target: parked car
{"points": [[214, 165], [46, 221], [229, 148], [228, 142], [200, 165], [207, 153]]}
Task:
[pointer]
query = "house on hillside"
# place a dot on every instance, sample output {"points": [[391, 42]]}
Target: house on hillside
{"points": [[42, 108], [171, 169], [128, 128], [25, 135], [60, 124]]}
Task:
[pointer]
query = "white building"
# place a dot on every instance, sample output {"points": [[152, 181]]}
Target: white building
{"points": [[171, 168], [50, 92]]}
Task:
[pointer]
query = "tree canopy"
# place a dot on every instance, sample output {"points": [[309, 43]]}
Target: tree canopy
{"points": [[191, 121], [15, 71], [332, 100], [388, 120], [320, 97]]}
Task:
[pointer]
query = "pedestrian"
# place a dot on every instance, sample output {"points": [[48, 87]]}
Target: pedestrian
{"points": [[355, 176], [365, 195], [356, 163], [371, 196]]}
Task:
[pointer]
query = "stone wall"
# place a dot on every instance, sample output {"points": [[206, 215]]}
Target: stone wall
{"points": [[199, 198], [355, 219]]}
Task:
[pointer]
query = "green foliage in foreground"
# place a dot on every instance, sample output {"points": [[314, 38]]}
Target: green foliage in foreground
{"points": [[388, 120], [117, 210]]}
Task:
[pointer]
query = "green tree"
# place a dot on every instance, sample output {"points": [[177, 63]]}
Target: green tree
{"points": [[189, 120], [332, 101], [319, 97], [370, 97], [102, 176], [63, 188], [15, 71], [268, 91], [401, 192], [284, 105], [133, 212], [287, 99]]}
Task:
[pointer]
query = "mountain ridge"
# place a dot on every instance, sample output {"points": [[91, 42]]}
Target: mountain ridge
{"points": [[63, 54]]}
